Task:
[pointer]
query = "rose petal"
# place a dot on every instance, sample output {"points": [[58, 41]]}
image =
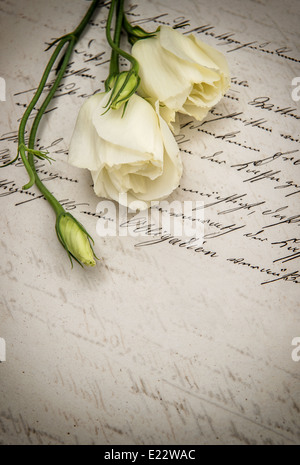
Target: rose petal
{"points": [[217, 57], [86, 145], [167, 73], [185, 47], [137, 130]]}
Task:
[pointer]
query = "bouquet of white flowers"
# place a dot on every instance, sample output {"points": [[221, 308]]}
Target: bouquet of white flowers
{"points": [[124, 135], [125, 139]]}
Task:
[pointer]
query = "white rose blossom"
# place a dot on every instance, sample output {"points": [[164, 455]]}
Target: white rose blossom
{"points": [[133, 153], [183, 73]]}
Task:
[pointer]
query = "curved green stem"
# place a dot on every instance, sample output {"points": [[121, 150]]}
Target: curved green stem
{"points": [[29, 109], [114, 60], [81, 249], [47, 194], [111, 42], [72, 39], [79, 29], [135, 33], [21, 132]]}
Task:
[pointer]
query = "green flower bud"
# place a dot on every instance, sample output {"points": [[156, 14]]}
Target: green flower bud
{"points": [[136, 33], [125, 85], [110, 82], [75, 239]]}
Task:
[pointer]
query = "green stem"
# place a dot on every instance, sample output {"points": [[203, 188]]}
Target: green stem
{"points": [[51, 199], [113, 45], [79, 29], [114, 60], [135, 33], [29, 109], [72, 39]]}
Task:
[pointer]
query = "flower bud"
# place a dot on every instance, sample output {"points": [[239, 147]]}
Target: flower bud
{"points": [[125, 85], [75, 239], [137, 33], [182, 73]]}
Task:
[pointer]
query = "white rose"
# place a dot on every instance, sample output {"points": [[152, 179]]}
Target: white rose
{"points": [[183, 73], [134, 154]]}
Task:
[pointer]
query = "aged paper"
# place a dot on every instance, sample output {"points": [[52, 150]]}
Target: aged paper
{"points": [[166, 341]]}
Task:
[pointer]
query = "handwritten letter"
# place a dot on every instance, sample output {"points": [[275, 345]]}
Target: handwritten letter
{"points": [[166, 341]]}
